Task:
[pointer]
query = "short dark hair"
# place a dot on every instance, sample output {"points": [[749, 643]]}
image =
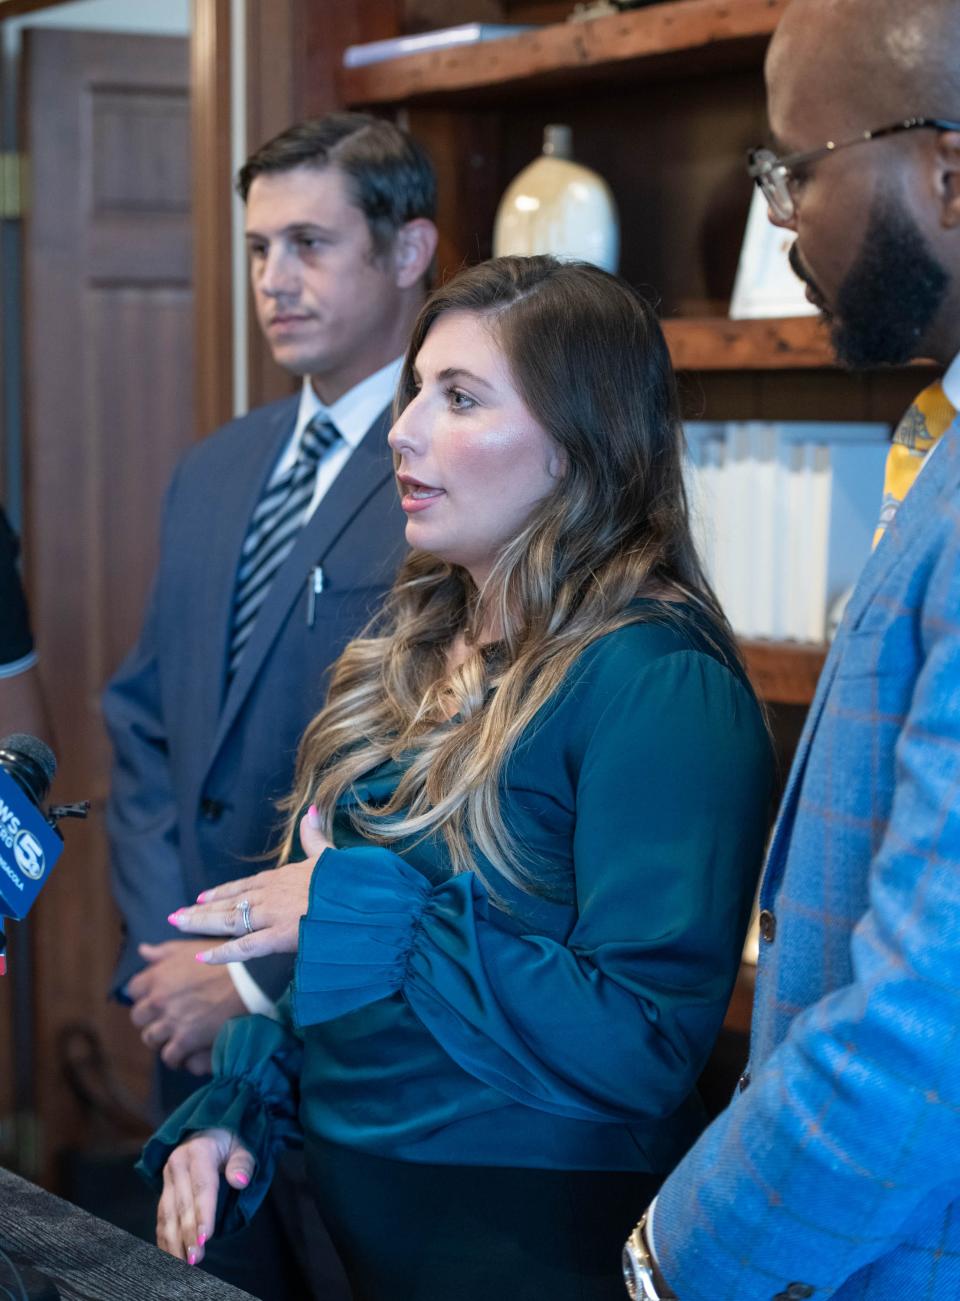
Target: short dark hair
{"points": [[390, 174]]}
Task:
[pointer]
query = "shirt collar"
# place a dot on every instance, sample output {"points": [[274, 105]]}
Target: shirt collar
{"points": [[356, 410], [951, 382]]}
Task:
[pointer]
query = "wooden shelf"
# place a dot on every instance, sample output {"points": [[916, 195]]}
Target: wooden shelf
{"points": [[679, 38], [716, 343], [783, 673], [785, 343]]}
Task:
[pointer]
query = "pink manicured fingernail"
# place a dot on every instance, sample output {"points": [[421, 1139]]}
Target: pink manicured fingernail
{"points": [[242, 1179], [201, 1237], [313, 817], [201, 957], [174, 919], [192, 1256], [202, 897]]}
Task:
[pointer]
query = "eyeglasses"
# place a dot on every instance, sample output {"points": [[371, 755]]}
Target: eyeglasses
{"points": [[776, 176]]}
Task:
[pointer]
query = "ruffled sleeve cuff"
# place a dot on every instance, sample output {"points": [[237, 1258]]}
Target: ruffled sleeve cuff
{"points": [[260, 1109], [356, 938]]}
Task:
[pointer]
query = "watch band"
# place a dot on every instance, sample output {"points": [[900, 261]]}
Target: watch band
{"points": [[641, 1272]]}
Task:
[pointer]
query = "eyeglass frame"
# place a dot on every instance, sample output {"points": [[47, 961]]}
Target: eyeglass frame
{"points": [[763, 164]]}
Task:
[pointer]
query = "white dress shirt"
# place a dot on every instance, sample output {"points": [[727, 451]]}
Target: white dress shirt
{"points": [[950, 384], [353, 414]]}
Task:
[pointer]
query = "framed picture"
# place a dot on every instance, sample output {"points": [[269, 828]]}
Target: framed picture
{"points": [[765, 283]]}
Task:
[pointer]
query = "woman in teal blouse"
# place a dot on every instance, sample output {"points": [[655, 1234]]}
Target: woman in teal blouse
{"points": [[537, 799]]}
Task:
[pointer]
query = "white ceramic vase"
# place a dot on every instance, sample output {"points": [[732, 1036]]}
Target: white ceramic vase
{"points": [[558, 206]]}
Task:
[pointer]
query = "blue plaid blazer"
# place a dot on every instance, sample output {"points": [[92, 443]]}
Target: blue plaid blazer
{"points": [[836, 1171]]}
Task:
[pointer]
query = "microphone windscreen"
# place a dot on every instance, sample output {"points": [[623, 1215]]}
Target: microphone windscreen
{"points": [[33, 748]]}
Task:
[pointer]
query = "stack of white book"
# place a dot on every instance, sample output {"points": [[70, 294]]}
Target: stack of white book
{"points": [[783, 516]]}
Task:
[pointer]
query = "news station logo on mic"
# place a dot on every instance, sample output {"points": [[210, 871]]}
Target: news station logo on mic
{"points": [[29, 854]]}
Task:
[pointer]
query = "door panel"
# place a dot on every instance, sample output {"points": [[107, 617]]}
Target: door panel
{"points": [[109, 371]]}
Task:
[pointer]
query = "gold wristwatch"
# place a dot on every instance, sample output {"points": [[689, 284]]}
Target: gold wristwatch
{"points": [[640, 1272]]}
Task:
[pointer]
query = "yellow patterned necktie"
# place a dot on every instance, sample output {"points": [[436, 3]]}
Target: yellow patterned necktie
{"points": [[930, 416]]}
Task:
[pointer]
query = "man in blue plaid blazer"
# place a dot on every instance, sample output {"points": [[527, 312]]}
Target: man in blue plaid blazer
{"points": [[835, 1172]]}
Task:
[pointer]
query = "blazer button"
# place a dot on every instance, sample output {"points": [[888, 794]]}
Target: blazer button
{"points": [[795, 1292], [768, 928], [212, 810], [744, 1082]]}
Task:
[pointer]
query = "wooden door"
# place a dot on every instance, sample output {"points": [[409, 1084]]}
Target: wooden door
{"points": [[108, 396]]}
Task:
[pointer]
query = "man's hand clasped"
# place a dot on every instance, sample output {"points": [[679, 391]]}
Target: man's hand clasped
{"points": [[262, 912], [179, 1007]]}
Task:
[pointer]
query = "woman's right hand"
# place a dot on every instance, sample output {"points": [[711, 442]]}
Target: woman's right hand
{"points": [[191, 1182]]}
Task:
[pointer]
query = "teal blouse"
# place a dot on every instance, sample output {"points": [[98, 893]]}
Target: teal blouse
{"points": [[433, 1022]]}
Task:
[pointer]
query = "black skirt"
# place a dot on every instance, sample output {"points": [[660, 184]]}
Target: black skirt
{"points": [[412, 1232]]}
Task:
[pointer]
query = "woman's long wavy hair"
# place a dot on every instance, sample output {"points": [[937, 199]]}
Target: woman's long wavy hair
{"points": [[588, 357]]}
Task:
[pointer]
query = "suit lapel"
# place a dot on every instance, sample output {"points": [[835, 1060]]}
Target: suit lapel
{"points": [[369, 467], [918, 510], [914, 515], [255, 445]]}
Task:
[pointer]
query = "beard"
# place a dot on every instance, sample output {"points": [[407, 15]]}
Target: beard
{"points": [[891, 296]]}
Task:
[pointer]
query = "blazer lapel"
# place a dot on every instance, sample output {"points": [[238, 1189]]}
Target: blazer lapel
{"points": [[369, 467], [255, 445], [914, 515]]}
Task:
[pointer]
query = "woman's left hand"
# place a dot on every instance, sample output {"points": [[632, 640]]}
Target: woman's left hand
{"points": [[264, 911]]}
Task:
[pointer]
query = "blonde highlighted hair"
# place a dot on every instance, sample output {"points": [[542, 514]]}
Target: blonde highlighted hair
{"points": [[588, 357]]}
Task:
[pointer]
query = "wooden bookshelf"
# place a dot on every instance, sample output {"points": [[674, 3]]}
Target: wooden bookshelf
{"points": [[784, 673], [679, 38], [709, 343], [678, 83], [789, 343]]}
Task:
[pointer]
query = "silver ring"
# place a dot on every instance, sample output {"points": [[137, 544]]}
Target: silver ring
{"points": [[244, 909]]}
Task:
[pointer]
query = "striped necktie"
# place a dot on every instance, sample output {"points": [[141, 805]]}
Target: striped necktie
{"points": [[274, 527], [927, 420]]}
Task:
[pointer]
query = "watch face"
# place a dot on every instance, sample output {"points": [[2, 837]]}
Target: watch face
{"points": [[630, 1274], [636, 1275], [640, 1272]]}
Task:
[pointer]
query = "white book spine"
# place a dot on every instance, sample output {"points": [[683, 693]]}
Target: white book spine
{"points": [[734, 542], [699, 481], [711, 470], [818, 489], [762, 537], [692, 483], [721, 539], [780, 604], [796, 536]]}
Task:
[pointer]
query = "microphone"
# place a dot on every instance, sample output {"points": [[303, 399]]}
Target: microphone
{"points": [[30, 762], [30, 843]]}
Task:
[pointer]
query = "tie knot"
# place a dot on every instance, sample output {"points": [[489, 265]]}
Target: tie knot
{"points": [[930, 416], [318, 437]]}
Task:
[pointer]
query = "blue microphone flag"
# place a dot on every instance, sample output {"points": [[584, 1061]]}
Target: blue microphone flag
{"points": [[29, 848]]}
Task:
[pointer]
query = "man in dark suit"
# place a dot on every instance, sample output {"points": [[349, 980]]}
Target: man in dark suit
{"points": [[22, 708], [281, 533]]}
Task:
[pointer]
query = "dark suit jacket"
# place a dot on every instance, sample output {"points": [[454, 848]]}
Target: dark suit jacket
{"points": [[197, 770], [16, 641]]}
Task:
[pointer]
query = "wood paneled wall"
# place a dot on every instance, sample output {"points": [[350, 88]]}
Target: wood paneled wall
{"points": [[108, 407], [294, 50]]}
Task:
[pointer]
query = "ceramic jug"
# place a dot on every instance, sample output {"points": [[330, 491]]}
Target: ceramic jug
{"points": [[558, 206]]}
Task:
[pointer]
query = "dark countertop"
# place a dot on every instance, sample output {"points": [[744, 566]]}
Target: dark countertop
{"points": [[89, 1259]]}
